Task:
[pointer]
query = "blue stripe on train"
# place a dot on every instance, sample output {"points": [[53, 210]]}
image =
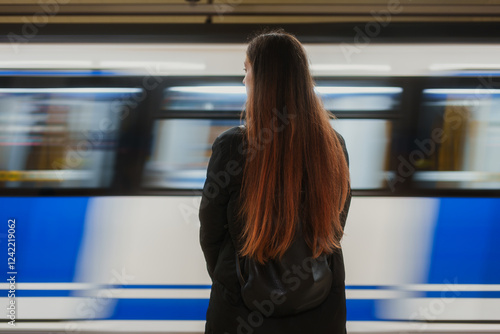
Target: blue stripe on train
{"points": [[48, 234], [445, 292], [57, 73], [465, 246], [461, 294], [160, 309], [195, 309], [163, 286], [38, 293]]}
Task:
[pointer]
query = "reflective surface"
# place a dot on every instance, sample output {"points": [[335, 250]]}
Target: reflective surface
{"points": [[458, 144], [204, 98], [60, 137], [367, 99], [182, 149], [368, 145], [232, 98]]}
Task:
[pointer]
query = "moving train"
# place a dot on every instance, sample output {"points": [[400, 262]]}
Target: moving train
{"points": [[103, 155]]}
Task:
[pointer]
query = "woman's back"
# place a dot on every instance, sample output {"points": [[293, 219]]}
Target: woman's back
{"points": [[285, 167], [227, 312]]}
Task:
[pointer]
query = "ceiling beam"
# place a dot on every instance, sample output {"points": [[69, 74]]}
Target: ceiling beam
{"points": [[399, 8]]}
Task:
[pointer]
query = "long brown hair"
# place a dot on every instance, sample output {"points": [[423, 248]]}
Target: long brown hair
{"points": [[295, 167]]}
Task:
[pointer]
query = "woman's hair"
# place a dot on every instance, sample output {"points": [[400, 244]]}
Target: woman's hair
{"points": [[295, 165]]}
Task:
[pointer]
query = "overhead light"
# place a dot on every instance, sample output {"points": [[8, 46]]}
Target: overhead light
{"points": [[357, 90], [463, 67], [344, 67], [100, 90], [210, 89], [154, 65], [320, 90], [448, 91], [46, 64]]}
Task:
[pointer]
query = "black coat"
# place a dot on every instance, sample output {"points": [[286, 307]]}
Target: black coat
{"points": [[227, 314]]}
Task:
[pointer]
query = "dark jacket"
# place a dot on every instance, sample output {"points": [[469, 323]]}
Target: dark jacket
{"points": [[219, 240]]}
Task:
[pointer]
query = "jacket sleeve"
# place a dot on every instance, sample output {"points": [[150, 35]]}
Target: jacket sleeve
{"points": [[213, 206], [347, 204]]}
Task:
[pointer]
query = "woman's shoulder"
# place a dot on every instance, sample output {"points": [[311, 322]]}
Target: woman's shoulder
{"points": [[343, 145], [235, 131], [231, 137], [340, 137]]}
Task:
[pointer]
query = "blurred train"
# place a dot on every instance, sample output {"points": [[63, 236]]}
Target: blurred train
{"points": [[103, 154]]}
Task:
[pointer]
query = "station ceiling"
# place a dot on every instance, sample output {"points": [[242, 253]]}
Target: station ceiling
{"points": [[246, 11]]}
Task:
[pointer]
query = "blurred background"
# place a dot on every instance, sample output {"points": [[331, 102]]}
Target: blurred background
{"points": [[108, 111]]}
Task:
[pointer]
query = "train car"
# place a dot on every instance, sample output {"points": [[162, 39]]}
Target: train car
{"points": [[104, 153]]}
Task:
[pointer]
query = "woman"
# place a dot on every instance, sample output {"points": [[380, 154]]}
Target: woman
{"points": [[286, 163]]}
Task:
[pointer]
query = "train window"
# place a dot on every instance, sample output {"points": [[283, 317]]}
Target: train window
{"points": [[338, 98], [182, 145], [232, 98], [60, 137], [180, 152], [182, 148], [458, 144], [204, 98], [368, 145]]}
